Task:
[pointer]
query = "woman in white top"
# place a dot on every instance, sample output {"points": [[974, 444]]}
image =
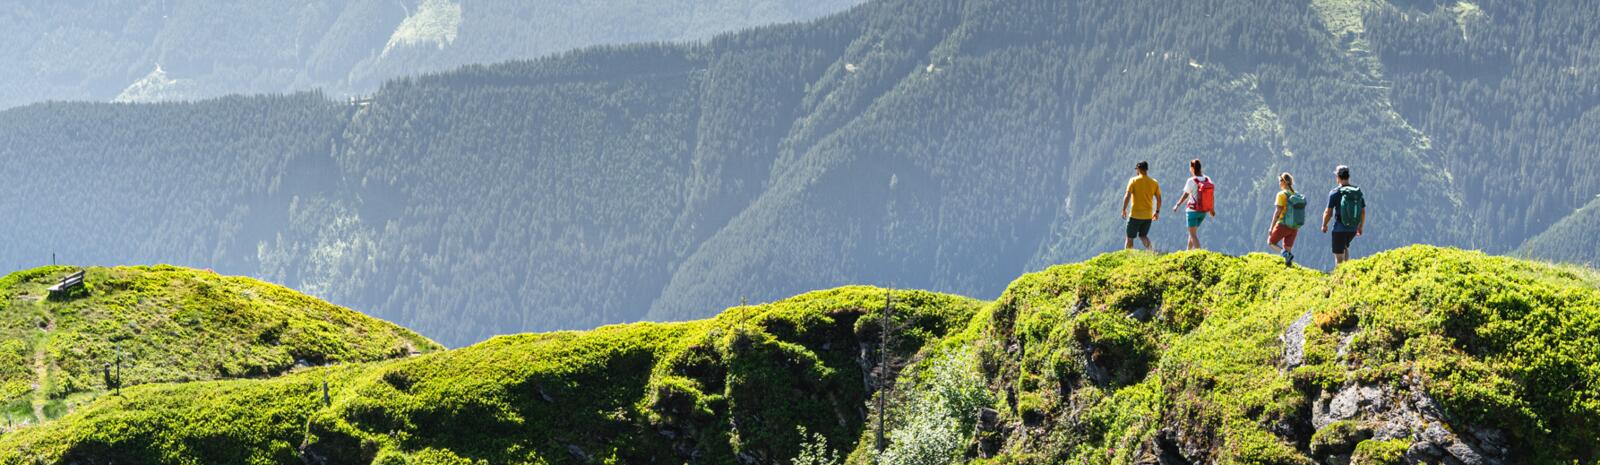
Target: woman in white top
{"points": [[1197, 201]]}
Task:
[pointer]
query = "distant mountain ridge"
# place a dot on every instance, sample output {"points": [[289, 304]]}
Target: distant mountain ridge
{"points": [[941, 144], [137, 51]]}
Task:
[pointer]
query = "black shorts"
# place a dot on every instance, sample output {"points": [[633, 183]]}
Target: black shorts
{"points": [[1341, 241], [1138, 228]]}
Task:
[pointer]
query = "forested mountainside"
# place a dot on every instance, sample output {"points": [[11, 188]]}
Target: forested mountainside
{"points": [[1573, 240], [1419, 355], [939, 144], [139, 325], [185, 49]]}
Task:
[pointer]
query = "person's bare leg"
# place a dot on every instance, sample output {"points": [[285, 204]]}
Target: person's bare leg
{"points": [[1127, 243], [1194, 238], [1274, 247], [1147, 244]]}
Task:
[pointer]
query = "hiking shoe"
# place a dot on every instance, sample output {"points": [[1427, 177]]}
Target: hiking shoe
{"points": [[1288, 259]]}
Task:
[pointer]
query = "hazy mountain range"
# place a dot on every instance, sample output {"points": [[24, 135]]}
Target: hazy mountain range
{"points": [[940, 144], [151, 50]]}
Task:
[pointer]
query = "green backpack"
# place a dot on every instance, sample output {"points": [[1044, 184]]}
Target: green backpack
{"points": [[1350, 205], [1294, 215]]}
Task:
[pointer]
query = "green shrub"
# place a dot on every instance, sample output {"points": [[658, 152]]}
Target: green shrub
{"points": [[1339, 438], [1032, 408], [1374, 452], [936, 424], [814, 451]]}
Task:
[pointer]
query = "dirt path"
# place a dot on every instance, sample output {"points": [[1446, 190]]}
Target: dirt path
{"points": [[41, 371]]}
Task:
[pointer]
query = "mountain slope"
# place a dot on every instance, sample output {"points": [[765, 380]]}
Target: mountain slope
{"points": [[948, 144], [165, 324], [106, 49], [1418, 355], [1572, 240]]}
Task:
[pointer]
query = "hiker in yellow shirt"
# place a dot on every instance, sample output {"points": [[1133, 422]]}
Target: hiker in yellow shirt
{"points": [[1287, 219], [1141, 189]]}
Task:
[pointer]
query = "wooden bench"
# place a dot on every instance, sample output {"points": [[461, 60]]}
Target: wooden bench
{"points": [[67, 283]]}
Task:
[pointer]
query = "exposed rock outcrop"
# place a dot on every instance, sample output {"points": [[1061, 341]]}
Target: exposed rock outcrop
{"points": [[1407, 412]]}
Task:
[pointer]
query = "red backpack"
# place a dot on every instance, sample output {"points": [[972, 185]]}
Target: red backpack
{"points": [[1202, 202]]}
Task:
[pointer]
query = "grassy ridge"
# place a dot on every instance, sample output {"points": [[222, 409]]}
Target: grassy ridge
{"points": [[736, 385], [1127, 358], [1116, 348], [1131, 356], [1497, 341], [168, 324]]}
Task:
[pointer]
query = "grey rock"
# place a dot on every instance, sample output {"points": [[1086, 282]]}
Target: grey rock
{"points": [[1465, 453], [1436, 433], [1294, 342], [1344, 344], [1407, 412], [1346, 404]]}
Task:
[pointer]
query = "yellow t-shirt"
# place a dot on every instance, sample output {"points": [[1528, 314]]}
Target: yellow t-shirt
{"points": [[1144, 190]]}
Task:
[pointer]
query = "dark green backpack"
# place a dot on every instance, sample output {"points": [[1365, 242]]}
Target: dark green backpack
{"points": [[1350, 205], [1294, 215]]}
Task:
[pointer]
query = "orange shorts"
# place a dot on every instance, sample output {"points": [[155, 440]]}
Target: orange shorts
{"points": [[1283, 233]]}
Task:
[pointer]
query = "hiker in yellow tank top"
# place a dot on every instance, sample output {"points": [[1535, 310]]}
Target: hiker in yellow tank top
{"points": [[1141, 191]]}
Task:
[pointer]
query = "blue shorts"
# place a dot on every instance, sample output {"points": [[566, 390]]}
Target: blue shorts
{"points": [[1195, 218]]}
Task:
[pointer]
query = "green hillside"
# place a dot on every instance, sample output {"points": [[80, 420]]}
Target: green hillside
{"points": [[736, 384], [166, 324], [1572, 240], [939, 144], [137, 51], [1418, 355]]}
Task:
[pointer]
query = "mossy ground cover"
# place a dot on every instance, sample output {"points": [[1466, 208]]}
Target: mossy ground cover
{"points": [[1096, 358], [167, 324], [1496, 341], [706, 391], [1112, 361]]}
